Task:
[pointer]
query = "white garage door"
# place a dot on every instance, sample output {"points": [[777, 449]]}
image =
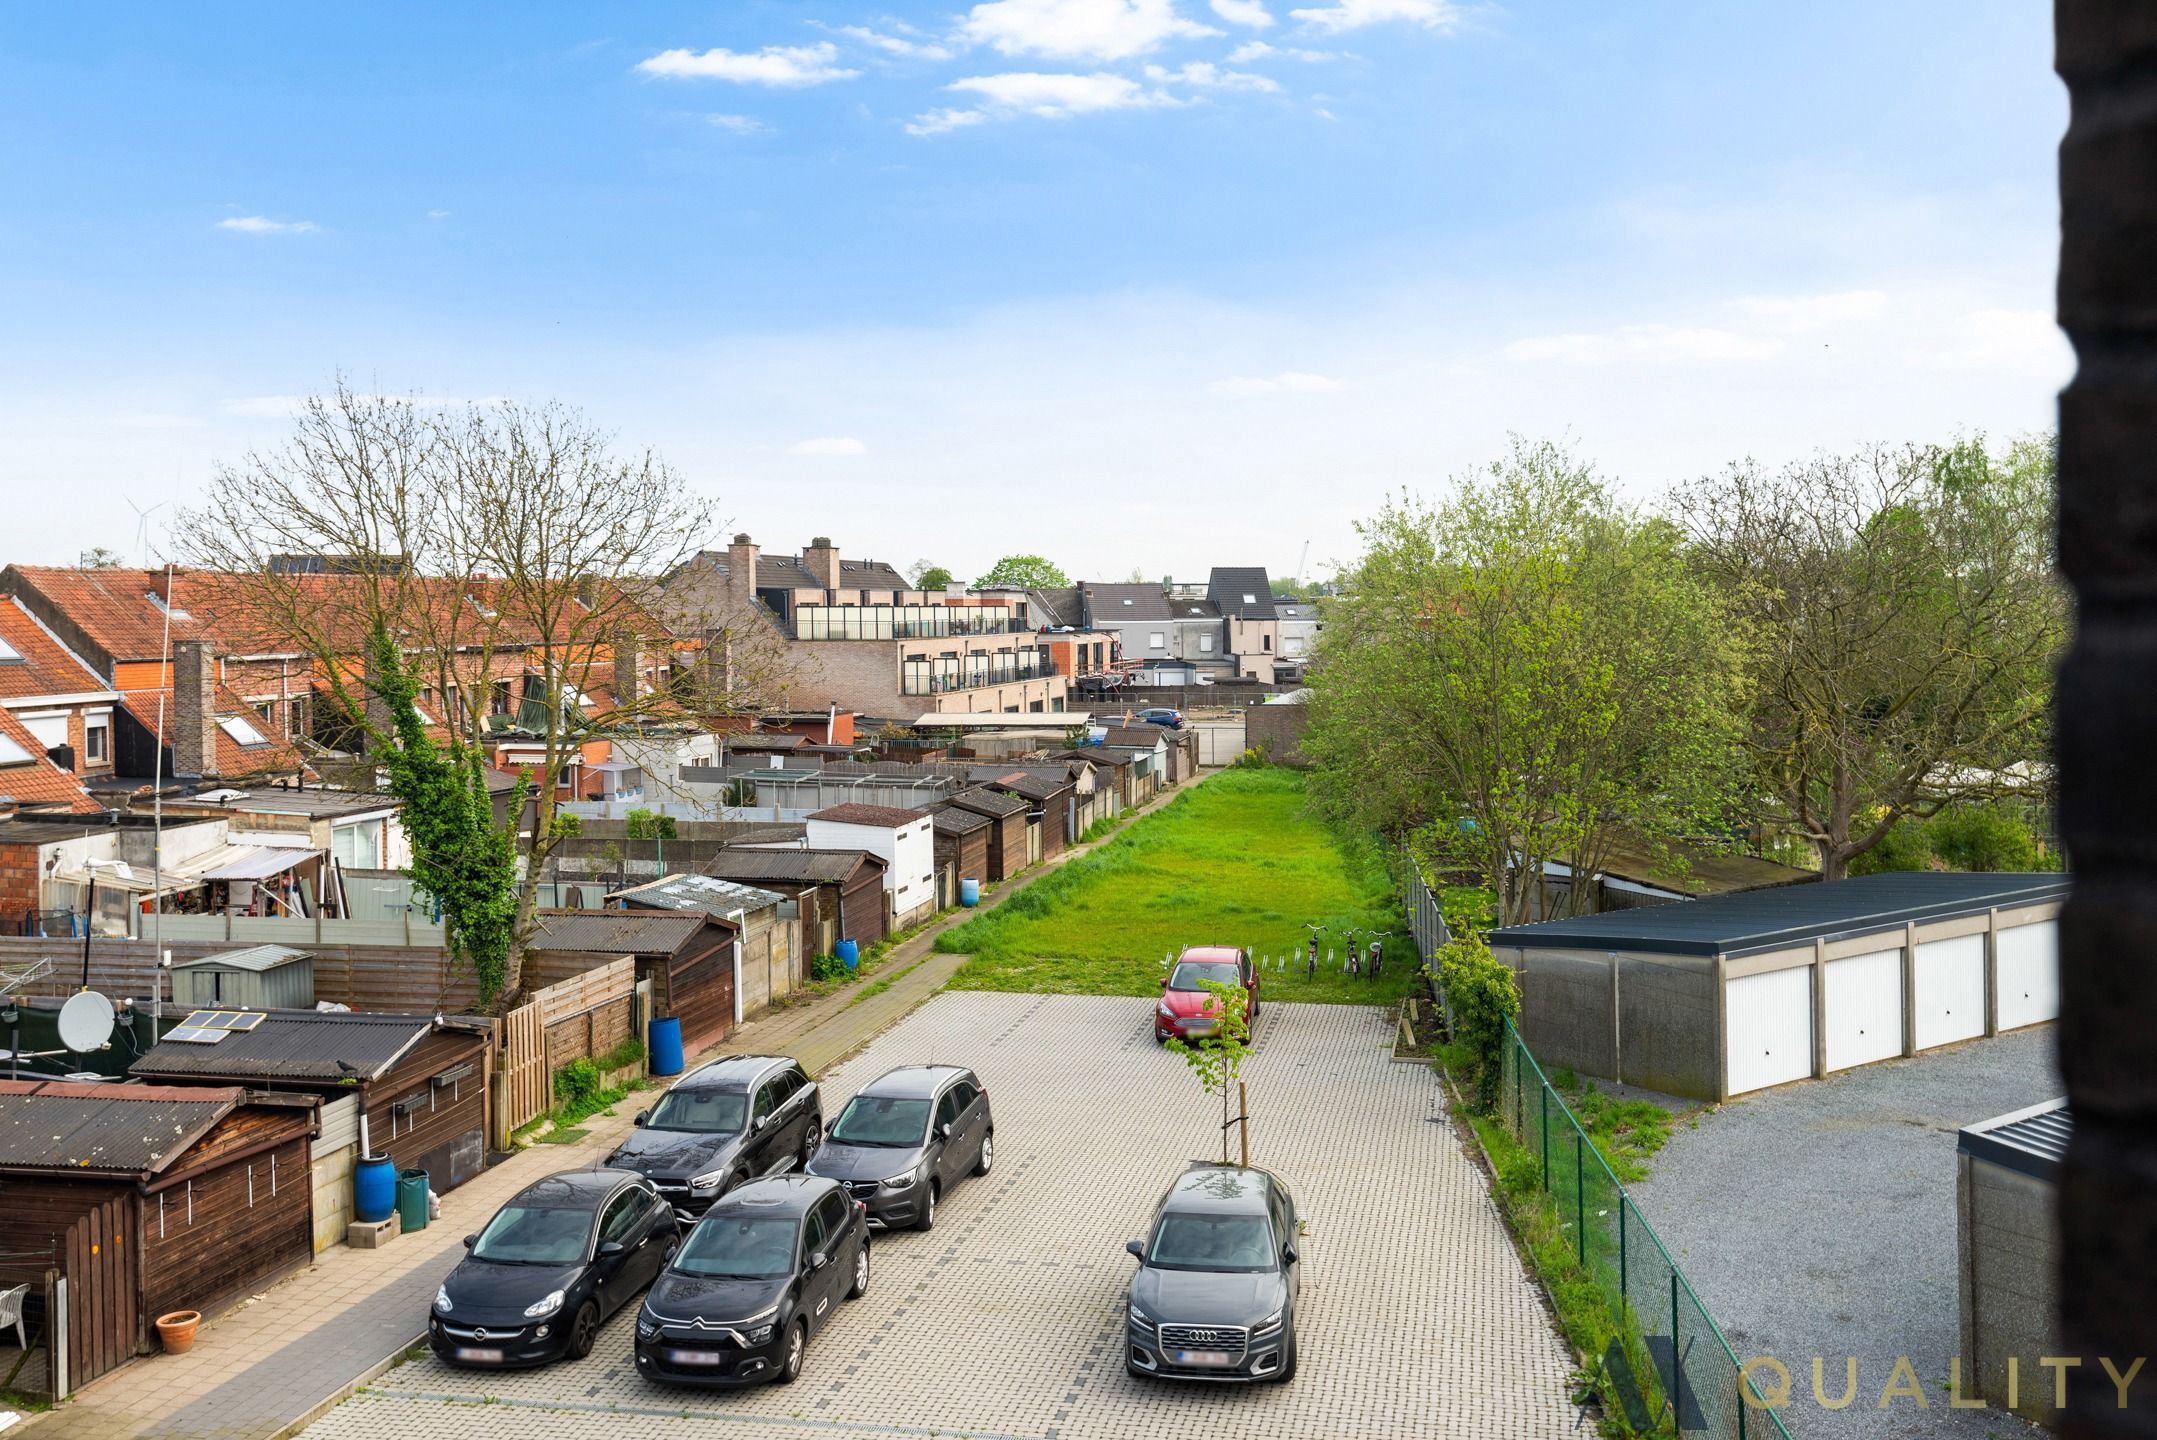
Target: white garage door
{"points": [[1767, 1028], [1950, 990], [1864, 1009], [2028, 965]]}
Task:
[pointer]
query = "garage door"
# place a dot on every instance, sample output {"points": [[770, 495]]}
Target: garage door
{"points": [[1950, 990], [1864, 1008], [2028, 961], [1767, 1028]]}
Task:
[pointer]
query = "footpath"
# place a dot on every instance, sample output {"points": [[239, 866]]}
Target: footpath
{"points": [[269, 1366]]}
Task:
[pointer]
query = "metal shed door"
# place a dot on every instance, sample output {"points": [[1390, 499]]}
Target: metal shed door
{"points": [[2028, 973], [1767, 1022], [1864, 1008], [1950, 990]]}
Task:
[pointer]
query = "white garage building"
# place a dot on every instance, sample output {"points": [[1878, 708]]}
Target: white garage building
{"points": [[1716, 997]]}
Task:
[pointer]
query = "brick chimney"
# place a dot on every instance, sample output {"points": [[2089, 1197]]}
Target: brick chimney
{"points": [[628, 669], [821, 559], [193, 724], [741, 570]]}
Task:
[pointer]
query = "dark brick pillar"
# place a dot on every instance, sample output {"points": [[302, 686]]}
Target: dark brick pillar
{"points": [[193, 724], [2107, 709]]}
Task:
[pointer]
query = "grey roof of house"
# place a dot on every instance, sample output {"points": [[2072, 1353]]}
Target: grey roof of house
{"points": [[1228, 585], [793, 867], [870, 575], [988, 802], [1194, 610], [951, 820], [295, 1045], [616, 932], [1106, 604], [1294, 609], [1143, 737], [707, 893], [101, 1128], [315, 804], [890, 817], [2031, 1141], [1748, 922], [257, 958]]}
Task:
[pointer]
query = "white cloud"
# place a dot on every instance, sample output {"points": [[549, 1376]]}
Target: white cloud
{"points": [[263, 225], [1997, 340], [785, 66], [1251, 50], [896, 45], [738, 124], [1815, 312], [845, 445], [1056, 96], [1677, 343], [1299, 382], [940, 122], [437, 214], [1252, 13], [157, 421], [1079, 29], [1205, 75], [1355, 14]]}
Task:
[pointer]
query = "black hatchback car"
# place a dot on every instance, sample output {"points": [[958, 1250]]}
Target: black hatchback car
{"points": [[763, 1271], [906, 1138], [737, 1119], [1215, 1293], [555, 1262]]}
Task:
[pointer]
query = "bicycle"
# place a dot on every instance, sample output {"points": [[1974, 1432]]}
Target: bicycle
{"points": [[1310, 969]]}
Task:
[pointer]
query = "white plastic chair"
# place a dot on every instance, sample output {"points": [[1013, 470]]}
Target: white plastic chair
{"points": [[11, 1313]]}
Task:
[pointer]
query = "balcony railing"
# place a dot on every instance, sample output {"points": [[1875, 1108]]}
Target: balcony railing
{"points": [[902, 622], [944, 684]]}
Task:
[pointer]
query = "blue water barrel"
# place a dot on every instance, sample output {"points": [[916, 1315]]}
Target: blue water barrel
{"points": [[665, 1044], [969, 891], [374, 1189], [849, 953]]}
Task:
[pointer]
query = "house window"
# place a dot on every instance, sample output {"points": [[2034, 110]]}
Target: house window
{"points": [[97, 739], [1156, 640], [1205, 644], [1265, 642], [268, 711], [243, 732], [1250, 599]]}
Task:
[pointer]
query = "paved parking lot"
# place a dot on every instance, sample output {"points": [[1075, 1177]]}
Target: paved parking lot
{"points": [[1005, 1321]]}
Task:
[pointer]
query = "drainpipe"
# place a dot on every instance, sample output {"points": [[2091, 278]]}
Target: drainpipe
{"points": [[740, 919]]}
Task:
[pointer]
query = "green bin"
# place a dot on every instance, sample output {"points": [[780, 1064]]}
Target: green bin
{"points": [[411, 1200]]}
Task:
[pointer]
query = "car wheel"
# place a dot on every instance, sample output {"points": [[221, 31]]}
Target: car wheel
{"points": [[810, 1139], [988, 1154], [926, 1220], [1288, 1367], [584, 1330], [797, 1347], [861, 1273]]}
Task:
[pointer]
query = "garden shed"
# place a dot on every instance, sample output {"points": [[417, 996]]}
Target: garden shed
{"points": [[1716, 997], [1048, 799], [766, 922], [840, 892], [691, 960], [1007, 833], [962, 842], [260, 977], [2006, 1175]]}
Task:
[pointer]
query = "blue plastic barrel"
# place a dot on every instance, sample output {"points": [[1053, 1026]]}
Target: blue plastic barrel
{"points": [[374, 1189], [969, 891], [849, 953], [666, 1045]]}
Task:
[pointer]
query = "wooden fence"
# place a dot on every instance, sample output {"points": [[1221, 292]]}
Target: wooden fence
{"points": [[414, 980], [587, 1014]]}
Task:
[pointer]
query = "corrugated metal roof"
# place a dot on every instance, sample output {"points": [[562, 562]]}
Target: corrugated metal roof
{"points": [[295, 1045], [261, 862], [125, 1129], [1753, 921], [953, 821], [988, 802], [254, 957], [707, 893], [806, 867], [2031, 1141], [617, 932]]}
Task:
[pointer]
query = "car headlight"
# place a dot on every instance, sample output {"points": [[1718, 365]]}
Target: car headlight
{"points": [[707, 1182], [441, 1300], [545, 1305], [1270, 1324], [1140, 1318], [900, 1182], [647, 1328], [760, 1334], [1161, 1008]]}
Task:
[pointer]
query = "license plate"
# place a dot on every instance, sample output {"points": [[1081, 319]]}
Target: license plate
{"points": [[1204, 1358], [695, 1357], [469, 1352]]}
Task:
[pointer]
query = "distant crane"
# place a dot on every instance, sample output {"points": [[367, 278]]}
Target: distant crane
{"points": [[1301, 561]]}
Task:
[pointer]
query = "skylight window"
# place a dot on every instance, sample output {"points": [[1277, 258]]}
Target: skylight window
{"points": [[242, 731], [173, 610], [1250, 599], [12, 753], [9, 655], [1127, 600]]}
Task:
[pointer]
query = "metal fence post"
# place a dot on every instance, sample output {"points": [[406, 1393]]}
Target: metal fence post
{"points": [[1677, 1371], [1623, 1283], [1546, 1134], [1580, 1193]]}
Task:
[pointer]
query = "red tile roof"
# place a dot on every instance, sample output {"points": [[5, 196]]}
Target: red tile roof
{"points": [[37, 781], [112, 607], [234, 760], [33, 663], [888, 816]]}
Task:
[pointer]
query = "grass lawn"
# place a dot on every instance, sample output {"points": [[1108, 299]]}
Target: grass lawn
{"points": [[1235, 861]]}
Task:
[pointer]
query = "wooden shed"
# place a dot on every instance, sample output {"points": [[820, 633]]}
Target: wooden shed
{"points": [[1007, 836], [422, 1084], [767, 922], [260, 977], [146, 1199], [1048, 799], [840, 892], [962, 842], [689, 959]]}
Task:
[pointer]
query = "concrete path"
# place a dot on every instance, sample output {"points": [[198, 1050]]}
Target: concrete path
{"points": [[265, 1368]]}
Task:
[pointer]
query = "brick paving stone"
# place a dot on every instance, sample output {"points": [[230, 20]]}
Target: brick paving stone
{"points": [[1005, 1321]]}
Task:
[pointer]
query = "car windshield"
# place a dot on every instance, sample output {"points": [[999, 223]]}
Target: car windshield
{"points": [[882, 1120], [534, 1235], [1211, 1242], [739, 1247], [708, 1112], [1189, 973]]}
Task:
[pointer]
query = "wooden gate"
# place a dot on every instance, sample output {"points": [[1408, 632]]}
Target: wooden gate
{"points": [[520, 1084], [102, 1324]]}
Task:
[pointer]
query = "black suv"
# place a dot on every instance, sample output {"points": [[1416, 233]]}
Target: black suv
{"points": [[1215, 1293], [764, 1270], [739, 1118], [906, 1138]]}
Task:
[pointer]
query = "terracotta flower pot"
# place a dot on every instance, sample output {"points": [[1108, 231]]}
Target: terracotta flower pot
{"points": [[176, 1332]]}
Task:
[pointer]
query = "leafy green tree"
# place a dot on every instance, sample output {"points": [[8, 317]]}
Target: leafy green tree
{"points": [[1524, 674], [927, 576], [649, 825], [1480, 996], [99, 558], [1904, 618], [1217, 1059], [1024, 570]]}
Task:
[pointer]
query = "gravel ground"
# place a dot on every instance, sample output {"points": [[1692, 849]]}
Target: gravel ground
{"points": [[1819, 1219]]}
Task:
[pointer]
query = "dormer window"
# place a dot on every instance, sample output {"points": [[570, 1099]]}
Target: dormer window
{"points": [[159, 601]]}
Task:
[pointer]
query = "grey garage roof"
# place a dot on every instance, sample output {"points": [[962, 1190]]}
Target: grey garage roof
{"points": [[1752, 921], [254, 957], [295, 1045], [132, 1129], [2031, 1141]]}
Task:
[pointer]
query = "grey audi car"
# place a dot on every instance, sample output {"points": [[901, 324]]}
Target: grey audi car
{"points": [[1215, 1293], [906, 1138], [737, 1119]]}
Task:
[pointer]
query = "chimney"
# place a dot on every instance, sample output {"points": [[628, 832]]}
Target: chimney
{"points": [[628, 669], [741, 570], [821, 559], [193, 725]]}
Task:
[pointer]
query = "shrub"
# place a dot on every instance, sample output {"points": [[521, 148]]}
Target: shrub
{"points": [[827, 967], [1480, 991], [1983, 837], [1906, 847], [576, 1083]]}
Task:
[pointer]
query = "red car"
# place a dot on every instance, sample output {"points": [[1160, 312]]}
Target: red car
{"points": [[1184, 1007]]}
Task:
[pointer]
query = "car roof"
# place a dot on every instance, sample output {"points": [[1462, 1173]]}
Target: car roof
{"points": [[730, 1072], [573, 1189], [1228, 1189], [914, 1081], [777, 1194], [1210, 953]]}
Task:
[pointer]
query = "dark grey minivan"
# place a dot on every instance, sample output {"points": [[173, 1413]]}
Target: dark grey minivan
{"points": [[906, 1138], [1215, 1293]]}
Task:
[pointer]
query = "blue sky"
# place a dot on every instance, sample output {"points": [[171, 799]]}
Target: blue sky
{"points": [[1149, 284]]}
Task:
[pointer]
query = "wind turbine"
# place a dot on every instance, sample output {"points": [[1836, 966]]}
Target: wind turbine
{"points": [[142, 527]]}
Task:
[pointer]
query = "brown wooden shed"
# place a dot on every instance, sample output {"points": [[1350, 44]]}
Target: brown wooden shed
{"points": [[769, 924], [1048, 798], [1007, 837], [689, 958], [841, 892], [962, 842]]}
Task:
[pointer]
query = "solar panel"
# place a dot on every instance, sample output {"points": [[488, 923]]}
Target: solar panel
{"points": [[223, 1020], [196, 1034]]}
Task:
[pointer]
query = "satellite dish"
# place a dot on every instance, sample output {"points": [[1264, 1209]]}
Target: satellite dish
{"points": [[85, 1021]]}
